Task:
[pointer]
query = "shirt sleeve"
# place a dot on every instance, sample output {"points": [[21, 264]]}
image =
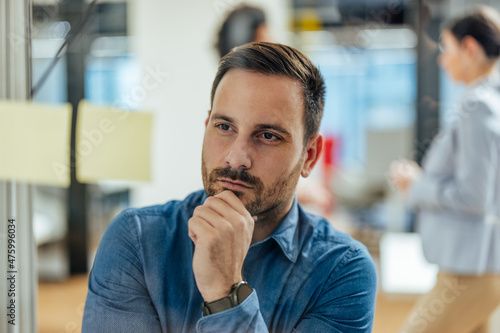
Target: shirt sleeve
{"points": [[117, 299], [346, 304], [245, 317], [475, 162]]}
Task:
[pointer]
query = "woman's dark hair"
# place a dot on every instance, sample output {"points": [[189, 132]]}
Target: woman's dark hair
{"points": [[483, 25], [281, 60], [239, 28]]}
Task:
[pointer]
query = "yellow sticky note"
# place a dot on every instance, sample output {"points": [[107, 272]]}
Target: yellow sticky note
{"points": [[34, 143], [112, 144]]}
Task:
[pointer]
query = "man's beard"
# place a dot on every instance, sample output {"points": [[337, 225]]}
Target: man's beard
{"points": [[266, 199]]}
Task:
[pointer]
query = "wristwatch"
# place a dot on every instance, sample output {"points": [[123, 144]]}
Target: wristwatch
{"points": [[239, 291]]}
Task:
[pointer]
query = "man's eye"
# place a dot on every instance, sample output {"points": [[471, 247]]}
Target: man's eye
{"points": [[224, 127], [269, 137]]}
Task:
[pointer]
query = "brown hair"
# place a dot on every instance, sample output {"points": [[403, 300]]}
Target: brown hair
{"points": [[278, 59], [483, 25]]}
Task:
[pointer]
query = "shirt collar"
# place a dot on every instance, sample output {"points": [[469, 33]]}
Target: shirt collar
{"points": [[286, 234], [485, 80]]}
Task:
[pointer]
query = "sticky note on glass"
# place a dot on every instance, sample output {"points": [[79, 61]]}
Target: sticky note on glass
{"points": [[34, 143], [112, 144]]}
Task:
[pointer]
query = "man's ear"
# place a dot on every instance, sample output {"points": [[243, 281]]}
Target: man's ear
{"points": [[208, 118], [313, 153]]}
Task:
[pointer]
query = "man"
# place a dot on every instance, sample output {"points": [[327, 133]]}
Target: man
{"points": [[246, 258]]}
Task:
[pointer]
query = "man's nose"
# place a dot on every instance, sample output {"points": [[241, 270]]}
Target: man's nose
{"points": [[239, 155]]}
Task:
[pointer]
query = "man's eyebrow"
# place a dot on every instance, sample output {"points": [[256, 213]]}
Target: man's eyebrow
{"points": [[221, 117], [276, 128], [273, 127]]}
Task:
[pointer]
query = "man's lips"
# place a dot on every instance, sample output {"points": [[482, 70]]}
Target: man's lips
{"points": [[234, 185]]}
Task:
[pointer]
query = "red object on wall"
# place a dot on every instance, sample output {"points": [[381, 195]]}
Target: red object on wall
{"points": [[328, 156]]}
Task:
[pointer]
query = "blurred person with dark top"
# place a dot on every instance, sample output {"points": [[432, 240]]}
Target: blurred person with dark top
{"points": [[241, 255], [244, 24], [457, 192]]}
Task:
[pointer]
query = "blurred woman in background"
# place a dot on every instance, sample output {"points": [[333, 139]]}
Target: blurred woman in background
{"points": [[244, 24], [457, 194]]}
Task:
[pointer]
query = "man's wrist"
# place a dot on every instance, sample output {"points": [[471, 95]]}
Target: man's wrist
{"points": [[214, 296], [239, 292], [214, 293]]}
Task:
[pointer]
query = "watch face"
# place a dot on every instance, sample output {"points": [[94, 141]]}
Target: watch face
{"points": [[243, 291]]}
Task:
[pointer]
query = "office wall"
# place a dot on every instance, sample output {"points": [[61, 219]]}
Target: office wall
{"points": [[177, 37]]}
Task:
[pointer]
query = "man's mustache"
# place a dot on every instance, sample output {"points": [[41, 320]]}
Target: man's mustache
{"points": [[236, 175]]}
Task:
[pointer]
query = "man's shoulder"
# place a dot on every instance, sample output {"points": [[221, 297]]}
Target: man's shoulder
{"points": [[162, 210], [325, 233], [329, 244]]}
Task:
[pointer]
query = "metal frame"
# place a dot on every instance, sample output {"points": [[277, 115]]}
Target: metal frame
{"points": [[16, 198]]}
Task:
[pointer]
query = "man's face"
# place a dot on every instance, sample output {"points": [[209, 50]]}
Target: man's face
{"points": [[253, 142]]}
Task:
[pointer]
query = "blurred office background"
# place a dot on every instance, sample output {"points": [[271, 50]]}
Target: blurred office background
{"points": [[386, 99]]}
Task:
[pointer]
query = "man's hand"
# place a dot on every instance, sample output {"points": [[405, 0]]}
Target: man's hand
{"points": [[221, 230]]}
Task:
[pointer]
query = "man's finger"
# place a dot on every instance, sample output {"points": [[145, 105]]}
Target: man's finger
{"points": [[208, 214], [230, 219], [198, 227], [232, 200], [221, 206], [216, 220]]}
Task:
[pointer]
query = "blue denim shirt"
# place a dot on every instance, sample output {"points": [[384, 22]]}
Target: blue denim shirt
{"points": [[307, 277]]}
